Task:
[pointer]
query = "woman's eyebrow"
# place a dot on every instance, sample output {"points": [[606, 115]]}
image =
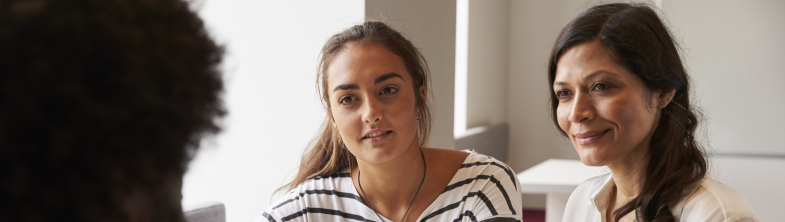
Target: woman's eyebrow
{"points": [[601, 71], [386, 77], [346, 87], [376, 81], [590, 76]]}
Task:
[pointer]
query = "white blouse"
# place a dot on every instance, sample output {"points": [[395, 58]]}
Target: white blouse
{"points": [[707, 200]]}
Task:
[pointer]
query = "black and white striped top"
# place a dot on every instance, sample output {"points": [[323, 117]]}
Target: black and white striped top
{"points": [[483, 189]]}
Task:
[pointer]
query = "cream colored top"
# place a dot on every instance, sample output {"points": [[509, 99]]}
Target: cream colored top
{"points": [[707, 200]]}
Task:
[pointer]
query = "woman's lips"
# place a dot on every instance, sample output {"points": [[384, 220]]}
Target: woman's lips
{"points": [[589, 137], [377, 137]]}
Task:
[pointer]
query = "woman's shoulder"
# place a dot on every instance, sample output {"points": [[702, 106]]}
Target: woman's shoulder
{"points": [[336, 181], [713, 200], [487, 187], [475, 164], [329, 192]]}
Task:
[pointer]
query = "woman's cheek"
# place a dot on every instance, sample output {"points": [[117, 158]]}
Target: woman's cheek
{"points": [[615, 109], [562, 116], [343, 122], [630, 115]]}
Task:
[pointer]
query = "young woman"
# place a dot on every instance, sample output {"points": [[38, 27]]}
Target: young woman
{"points": [[621, 95], [369, 162]]}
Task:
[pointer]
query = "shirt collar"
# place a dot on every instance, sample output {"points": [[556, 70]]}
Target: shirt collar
{"points": [[600, 198]]}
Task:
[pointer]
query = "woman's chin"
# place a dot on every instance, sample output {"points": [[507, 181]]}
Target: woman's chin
{"points": [[592, 155], [378, 155], [384, 154], [591, 160]]}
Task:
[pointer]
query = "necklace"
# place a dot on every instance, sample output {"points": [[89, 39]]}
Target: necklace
{"points": [[415, 194]]}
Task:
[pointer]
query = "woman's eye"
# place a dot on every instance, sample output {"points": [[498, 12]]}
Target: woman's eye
{"points": [[601, 86], [389, 90], [346, 100], [561, 94]]}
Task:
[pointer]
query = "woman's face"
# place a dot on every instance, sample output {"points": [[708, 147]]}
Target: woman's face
{"points": [[605, 110], [372, 102]]}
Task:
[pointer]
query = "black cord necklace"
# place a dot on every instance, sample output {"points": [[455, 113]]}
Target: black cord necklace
{"points": [[415, 194]]}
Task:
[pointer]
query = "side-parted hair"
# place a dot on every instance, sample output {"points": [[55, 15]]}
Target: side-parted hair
{"points": [[636, 39], [327, 154]]}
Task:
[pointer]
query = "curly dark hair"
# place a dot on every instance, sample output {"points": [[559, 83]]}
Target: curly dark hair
{"points": [[99, 100]]}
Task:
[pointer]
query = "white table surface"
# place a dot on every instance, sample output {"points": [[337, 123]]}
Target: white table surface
{"points": [[556, 178]]}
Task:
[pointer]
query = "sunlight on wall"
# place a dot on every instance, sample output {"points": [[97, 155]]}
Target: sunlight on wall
{"points": [[461, 65], [274, 111]]}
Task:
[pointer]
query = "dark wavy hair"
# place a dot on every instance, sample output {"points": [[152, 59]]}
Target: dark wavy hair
{"points": [[637, 40], [326, 154], [99, 100]]}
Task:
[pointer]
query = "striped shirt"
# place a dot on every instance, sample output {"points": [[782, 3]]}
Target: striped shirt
{"points": [[483, 189]]}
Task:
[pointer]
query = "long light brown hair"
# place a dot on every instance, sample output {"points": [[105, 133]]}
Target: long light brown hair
{"points": [[327, 154], [637, 39]]}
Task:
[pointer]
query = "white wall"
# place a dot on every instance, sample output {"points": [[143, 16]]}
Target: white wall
{"points": [[430, 25], [534, 26], [487, 63], [734, 52], [272, 51]]}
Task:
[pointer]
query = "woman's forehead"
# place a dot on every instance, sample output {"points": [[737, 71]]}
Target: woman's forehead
{"points": [[361, 63], [586, 61]]}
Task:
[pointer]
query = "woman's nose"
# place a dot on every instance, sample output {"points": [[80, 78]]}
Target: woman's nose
{"points": [[582, 108], [372, 111]]}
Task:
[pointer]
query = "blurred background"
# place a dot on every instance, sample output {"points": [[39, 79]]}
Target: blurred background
{"points": [[488, 63]]}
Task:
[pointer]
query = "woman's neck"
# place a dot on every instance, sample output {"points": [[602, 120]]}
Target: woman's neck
{"points": [[391, 185], [627, 178], [628, 174]]}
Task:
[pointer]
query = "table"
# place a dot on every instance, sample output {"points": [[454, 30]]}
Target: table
{"points": [[556, 178]]}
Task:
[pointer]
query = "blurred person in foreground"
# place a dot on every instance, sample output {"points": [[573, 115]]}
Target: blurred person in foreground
{"points": [[102, 105], [620, 93]]}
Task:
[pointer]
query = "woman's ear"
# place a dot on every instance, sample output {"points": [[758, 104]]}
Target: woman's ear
{"points": [[422, 95], [423, 98], [664, 98]]}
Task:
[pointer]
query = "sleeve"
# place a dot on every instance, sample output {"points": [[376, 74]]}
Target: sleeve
{"points": [[287, 208], [500, 194], [713, 201], [743, 218], [701, 210], [266, 217]]}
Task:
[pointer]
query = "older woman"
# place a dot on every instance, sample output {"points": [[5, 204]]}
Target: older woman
{"points": [[369, 162], [621, 95]]}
